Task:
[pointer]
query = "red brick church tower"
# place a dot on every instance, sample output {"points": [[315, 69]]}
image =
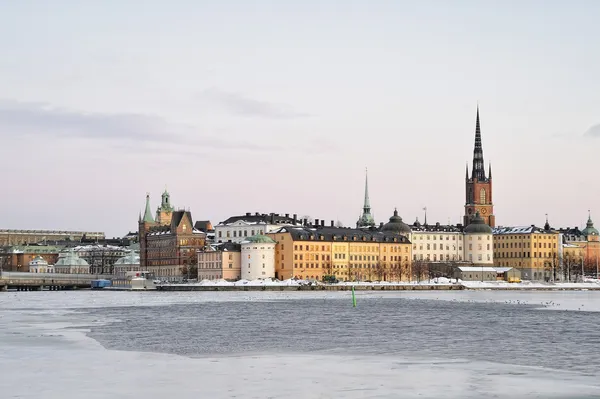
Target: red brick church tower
{"points": [[479, 187]]}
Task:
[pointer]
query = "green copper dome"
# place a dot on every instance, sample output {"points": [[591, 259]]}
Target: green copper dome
{"points": [[478, 226], [590, 230], [259, 238], [396, 225]]}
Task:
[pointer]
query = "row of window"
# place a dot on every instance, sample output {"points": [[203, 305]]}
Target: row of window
{"points": [[428, 257], [435, 237], [240, 234], [524, 254], [523, 245]]}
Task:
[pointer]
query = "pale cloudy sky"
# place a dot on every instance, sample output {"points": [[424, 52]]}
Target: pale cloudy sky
{"points": [[278, 106]]}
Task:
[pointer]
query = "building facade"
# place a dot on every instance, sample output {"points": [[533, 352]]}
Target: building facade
{"points": [[164, 212], [26, 237], [582, 246], [479, 242], [69, 263], [478, 187], [258, 257], [101, 258], [16, 258], [348, 254], [40, 265], [220, 261], [535, 251], [437, 243], [169, 250], [238, 228]]}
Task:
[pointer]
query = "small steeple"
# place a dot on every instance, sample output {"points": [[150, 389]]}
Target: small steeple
{"points": [[148, 213], [547, 225], [490, 172], [467, 172], [140, 217]]}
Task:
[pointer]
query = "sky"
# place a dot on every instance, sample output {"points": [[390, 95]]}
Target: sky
{"points": [[271, 106]]}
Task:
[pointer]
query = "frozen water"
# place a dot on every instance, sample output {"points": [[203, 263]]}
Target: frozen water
{"points": [[298, 345]]}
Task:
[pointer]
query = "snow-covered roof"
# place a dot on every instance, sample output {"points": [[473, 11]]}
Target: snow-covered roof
{"points": [[521, 230], [484, 269]]}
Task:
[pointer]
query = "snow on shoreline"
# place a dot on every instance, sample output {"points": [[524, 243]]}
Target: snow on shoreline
{"points": [[587, 284]]}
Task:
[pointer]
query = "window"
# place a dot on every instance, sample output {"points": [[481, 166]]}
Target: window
{"points": [[482, 196]]}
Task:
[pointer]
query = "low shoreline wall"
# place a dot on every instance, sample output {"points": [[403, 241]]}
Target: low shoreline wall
{"points": [[437, 287]]}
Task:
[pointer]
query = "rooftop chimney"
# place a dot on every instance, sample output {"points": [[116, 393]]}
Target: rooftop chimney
{"points": [[316, 222], [303, 222], [248, 214], [295, 218], [380, 225], [332, 223], [323, 223], [287, 215]]}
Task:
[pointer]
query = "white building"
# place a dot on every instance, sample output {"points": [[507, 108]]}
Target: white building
{"points": [[39, 265], [258, 258], [478, 238], [128, 263], [437, 243], [70, 263], [237, 228]]}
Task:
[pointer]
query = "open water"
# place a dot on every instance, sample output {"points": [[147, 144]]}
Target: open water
{"points": [[299, 345]]}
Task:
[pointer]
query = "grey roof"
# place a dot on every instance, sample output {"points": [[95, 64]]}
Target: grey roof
{"points": [[521, 230], [71, 259], [396, 225], [341, 234], [131, 258], [478, 226]]}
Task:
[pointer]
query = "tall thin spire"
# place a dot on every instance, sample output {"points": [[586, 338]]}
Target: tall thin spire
{"points": [[366, 219], [148, 213], [478, 166], [367, 204], [490, 172], [467, 172]]}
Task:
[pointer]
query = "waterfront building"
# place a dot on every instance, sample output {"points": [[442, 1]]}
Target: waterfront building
{"points": [[10, 237], [16, 258], [436, 243], [478, 188], [312, 252], [40, 265], [535, 251], [128, 263], [238, 228], [588, 243], [220, 261], [366, 219], [69, 263], [478, 242], [258, 257], [168, 250], [101, 258]]}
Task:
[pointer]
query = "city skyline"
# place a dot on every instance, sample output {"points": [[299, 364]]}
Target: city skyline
{"points": [[104, 103]]}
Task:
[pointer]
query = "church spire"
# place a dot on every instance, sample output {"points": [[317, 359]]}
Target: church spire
{"points": [[367, 204], [478, 166], [366, 219], [148, 213]]}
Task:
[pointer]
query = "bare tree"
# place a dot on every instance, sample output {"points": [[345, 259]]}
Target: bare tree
{"points": [[339, 224], [381, 271]]}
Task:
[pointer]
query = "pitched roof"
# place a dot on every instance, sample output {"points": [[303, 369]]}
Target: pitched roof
{"points": [[340, 234]]}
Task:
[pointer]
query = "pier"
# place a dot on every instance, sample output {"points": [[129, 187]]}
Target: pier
{"points": [[50, 281]]}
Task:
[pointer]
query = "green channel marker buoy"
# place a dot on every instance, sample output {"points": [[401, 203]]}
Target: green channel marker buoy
{"points": [[353, 298]]}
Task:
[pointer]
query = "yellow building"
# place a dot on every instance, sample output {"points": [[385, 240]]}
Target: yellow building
{"points": [[536, 252], [347, 254], [220, 261]]}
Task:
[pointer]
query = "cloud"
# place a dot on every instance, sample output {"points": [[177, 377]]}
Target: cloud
{"points": [[145, 132], [244, 106], [593, 131]]}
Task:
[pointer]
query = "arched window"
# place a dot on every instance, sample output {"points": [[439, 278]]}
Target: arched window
{"points": [[482, 196]]}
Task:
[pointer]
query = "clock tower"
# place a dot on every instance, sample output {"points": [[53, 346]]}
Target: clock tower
{"points": [[479, 186]]}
